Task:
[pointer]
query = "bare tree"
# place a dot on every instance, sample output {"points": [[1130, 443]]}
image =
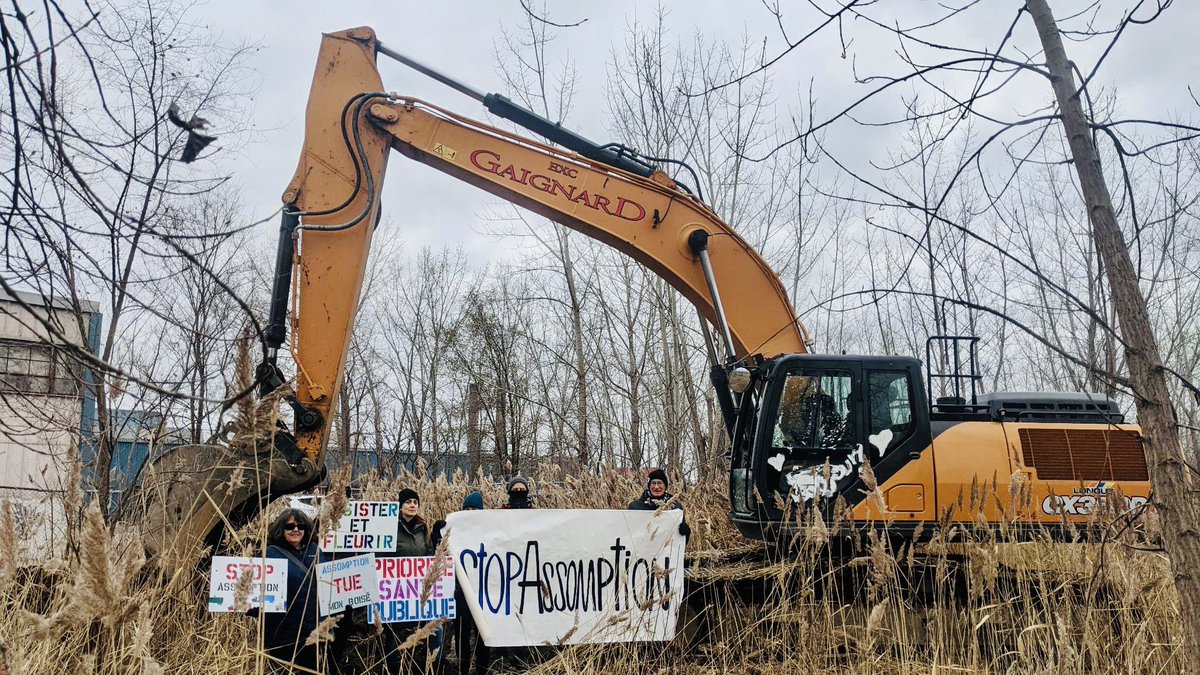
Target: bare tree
{"points": [[524, 68], [91, 176], [1109, 340], [704, 140], [1171, 471], [416, 316], [496, 355]]}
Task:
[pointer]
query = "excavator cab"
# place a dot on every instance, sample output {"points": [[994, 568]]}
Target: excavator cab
{"points": [[806, 426]]}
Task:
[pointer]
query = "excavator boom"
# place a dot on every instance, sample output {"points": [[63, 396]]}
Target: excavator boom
{"points": [[648, 218]]}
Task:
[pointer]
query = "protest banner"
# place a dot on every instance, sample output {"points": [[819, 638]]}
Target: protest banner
{"points": [[268, 584], [401, 585], [569, 576], [346, 583], [365, 526]]}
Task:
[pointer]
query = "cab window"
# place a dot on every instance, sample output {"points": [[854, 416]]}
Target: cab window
{"points": [[889, 402], [815, 418]]}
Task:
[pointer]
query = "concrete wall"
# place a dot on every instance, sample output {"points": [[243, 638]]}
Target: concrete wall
{"points": [[19, 323], [44, 404]]}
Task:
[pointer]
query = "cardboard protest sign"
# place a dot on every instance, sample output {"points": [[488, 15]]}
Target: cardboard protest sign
{"points": [[569, 576], [346, 583], [268, 585], [401, 584], [365, 526]]}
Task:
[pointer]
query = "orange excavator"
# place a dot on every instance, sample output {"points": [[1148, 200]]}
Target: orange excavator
{"points": [[803, 427]]}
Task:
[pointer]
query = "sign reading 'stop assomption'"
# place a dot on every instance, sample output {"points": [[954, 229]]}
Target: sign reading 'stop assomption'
{"points": [[267, 589], [569, 576], [365, 526]]}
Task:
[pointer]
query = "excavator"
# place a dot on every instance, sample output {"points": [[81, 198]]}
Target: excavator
{"points": [[856, 437]]}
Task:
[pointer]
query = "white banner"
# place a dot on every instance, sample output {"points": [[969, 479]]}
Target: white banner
{"points": [[536, 576], [365, 526], [268, 588], [345, 583], [402, 584]]}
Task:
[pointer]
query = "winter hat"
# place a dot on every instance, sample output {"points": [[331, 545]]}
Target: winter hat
{"points": [[407, 494], [517, 479], [657, 474], [473, 501]]}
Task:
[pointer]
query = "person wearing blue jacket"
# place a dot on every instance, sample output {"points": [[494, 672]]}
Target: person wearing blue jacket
{"points": [[290, 538], [467, 639]]}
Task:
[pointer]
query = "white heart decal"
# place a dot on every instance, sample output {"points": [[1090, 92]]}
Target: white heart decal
{"points": [[776, 462], [881, 440]]}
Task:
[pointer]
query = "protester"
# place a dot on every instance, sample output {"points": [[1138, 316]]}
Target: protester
{"points": [[519, 497], [656, 496], [290, 537], [413, 539], [466, 633], [473, 501], [518, 493], [412, 536]]}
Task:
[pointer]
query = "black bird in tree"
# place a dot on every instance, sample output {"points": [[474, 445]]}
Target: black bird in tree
{"points": [[196, 141]]}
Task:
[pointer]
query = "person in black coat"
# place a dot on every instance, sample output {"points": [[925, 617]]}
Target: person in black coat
{"points": [[518, 493], [656, 495], [290, 539]]}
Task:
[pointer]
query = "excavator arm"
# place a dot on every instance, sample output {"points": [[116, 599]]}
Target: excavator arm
{"points": [[336, 192], [332, 207]]}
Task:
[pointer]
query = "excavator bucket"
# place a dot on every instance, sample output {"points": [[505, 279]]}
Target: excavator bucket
{"points": [[190, 494]]}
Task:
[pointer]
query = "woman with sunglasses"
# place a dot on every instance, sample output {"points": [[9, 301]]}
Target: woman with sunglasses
{"points": [[290, 538]]}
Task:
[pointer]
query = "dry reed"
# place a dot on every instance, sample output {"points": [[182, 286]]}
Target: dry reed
{"points": [[969, 602]]}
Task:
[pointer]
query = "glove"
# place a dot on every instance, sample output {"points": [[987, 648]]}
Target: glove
{"points": [[685, 530], [435, 535]]}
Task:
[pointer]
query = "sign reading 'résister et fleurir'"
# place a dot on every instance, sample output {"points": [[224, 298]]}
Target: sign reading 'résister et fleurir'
{"points": [[365, 526]]}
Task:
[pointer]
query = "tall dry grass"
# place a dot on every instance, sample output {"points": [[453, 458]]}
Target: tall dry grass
{"points": [[977, 607]]}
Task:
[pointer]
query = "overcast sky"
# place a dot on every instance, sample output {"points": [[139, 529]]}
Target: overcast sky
{"points": [[1152, 66]]}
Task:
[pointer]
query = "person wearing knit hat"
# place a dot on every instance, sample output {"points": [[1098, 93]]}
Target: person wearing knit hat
{"points": [[413, 539], [473, 501], [406, 495], [518, 493], [655, 496], [469, 642], [412, 534]]}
